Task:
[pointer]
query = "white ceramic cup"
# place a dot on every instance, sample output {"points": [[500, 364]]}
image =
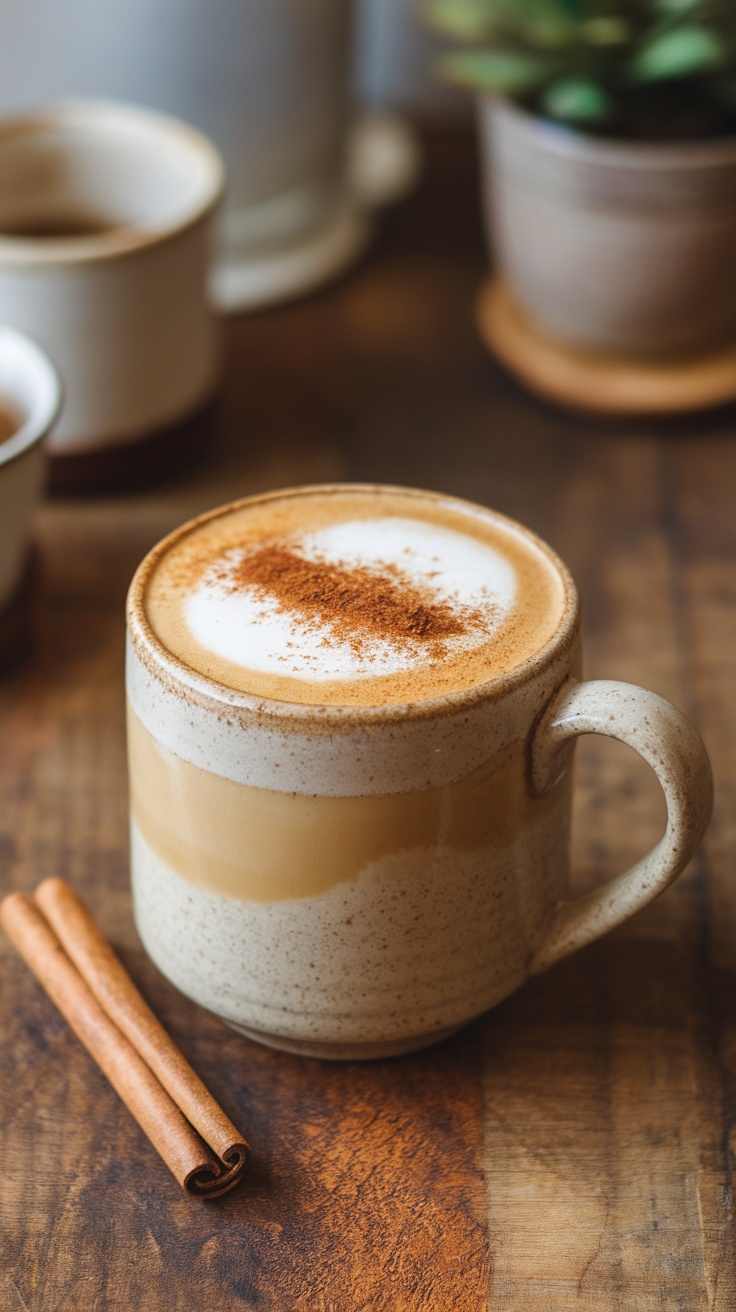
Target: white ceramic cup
{"points": [[30, 389], [267, 80], [122, 310]]}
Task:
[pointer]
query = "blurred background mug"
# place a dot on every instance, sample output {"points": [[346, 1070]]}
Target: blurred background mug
{"points": [[276, 85], [104, 233], [267, 80]]}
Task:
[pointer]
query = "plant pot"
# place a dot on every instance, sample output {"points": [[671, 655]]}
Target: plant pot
{"points": [[267, 80], [615, 247]]}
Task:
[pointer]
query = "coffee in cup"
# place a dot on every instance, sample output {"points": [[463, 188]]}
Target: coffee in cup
{"points": [[360, 599], [56, 226], [349, 809], [10, 421], [105, 225]]}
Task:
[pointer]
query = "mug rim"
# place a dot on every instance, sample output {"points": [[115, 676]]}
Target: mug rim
{"points": [[180, 677], [48, 395], [111, 114]]}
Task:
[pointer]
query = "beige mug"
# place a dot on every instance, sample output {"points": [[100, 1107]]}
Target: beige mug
{"points": [[357, 881], [105, 217]]}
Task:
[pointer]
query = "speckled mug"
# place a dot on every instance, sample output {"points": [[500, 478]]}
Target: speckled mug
{"points": [[446, 820]]}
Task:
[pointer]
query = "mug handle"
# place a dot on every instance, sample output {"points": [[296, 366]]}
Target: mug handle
{"points": [[674, 749]]}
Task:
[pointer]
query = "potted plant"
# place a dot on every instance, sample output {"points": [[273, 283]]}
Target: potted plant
{"points": [[609, 138]]}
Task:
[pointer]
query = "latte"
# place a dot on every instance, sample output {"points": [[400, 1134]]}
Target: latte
{"points": [[351, 718], [353, 597], [334, 845]]}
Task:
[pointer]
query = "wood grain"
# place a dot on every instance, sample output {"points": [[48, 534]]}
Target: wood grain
{"points": [[600, 1176], [360, 1176]]}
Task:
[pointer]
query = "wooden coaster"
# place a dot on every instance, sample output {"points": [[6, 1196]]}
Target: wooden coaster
{"points": [[592, 381]]}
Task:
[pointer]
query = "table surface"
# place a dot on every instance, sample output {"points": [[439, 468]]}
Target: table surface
{"points": [[574, 1149]]}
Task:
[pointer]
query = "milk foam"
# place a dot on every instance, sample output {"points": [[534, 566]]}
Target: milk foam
{"points": [[350, 596], [246, 626]]}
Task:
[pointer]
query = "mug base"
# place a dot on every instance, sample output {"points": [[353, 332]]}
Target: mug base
{"points": [[347, 1051], [133, 466]]}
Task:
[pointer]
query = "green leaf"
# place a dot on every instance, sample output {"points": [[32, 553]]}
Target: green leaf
{"points": [[608, 30], [681, 52], [506, 71], [676, 8], [465, 20], [549, 24], [539, 24], [577, 100]]}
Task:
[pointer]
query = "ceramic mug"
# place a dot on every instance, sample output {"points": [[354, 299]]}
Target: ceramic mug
{"points": [[104, 229], [30, 397], [362, 880], [267, 80]]}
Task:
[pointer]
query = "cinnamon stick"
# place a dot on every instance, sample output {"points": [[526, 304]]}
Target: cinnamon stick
{"points": [[61, 943]]}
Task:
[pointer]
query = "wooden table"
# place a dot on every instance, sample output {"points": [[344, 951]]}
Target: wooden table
{"points": [[574, 1149]]}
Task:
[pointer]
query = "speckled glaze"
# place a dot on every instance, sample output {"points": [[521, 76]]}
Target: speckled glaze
{"points": [[440, 921]]}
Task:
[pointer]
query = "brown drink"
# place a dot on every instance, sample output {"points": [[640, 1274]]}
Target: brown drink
{"points": [[56, 227], [10, 422]]}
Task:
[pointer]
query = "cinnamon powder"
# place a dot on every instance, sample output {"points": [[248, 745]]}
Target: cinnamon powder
{"points": [[353, 600]]}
